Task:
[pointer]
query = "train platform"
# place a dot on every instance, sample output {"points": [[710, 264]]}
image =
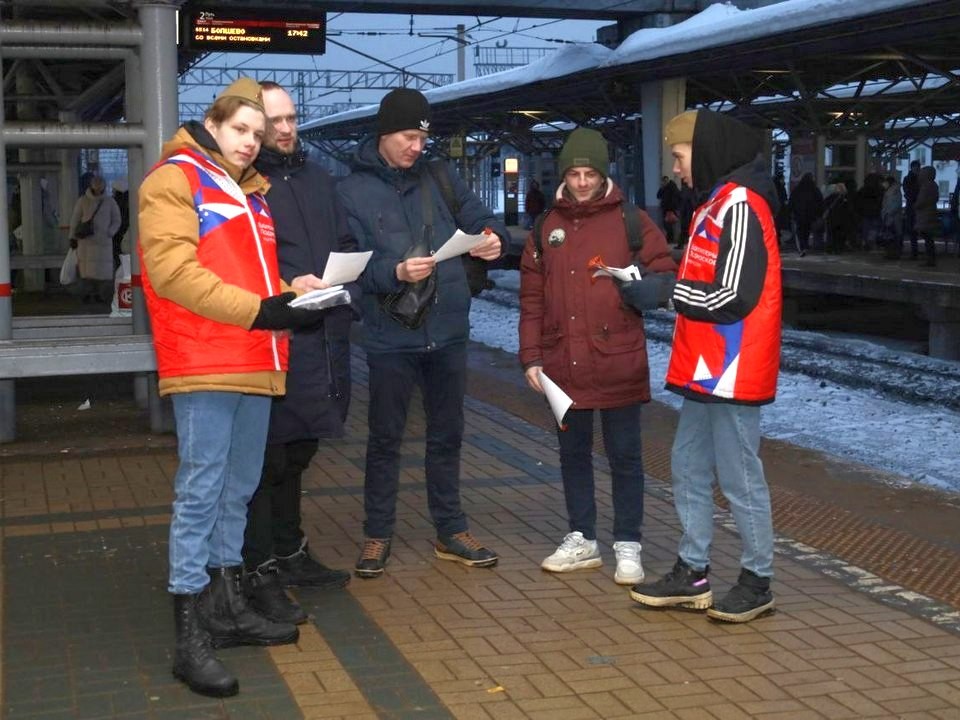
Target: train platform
{"points": [[867, 583]]}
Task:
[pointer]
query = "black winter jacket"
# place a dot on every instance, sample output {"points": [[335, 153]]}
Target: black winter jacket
{"points": [[310, 224], [385, 212]]}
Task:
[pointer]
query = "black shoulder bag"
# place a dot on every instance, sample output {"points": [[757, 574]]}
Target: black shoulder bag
{"points": [[409, 305]]}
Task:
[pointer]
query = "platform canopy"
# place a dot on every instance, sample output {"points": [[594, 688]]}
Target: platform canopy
{"points": [[888, 69]]}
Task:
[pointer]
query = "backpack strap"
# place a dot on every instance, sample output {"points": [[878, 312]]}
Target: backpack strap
{"points": [[631, 222], [438, 169], [538, 235]]}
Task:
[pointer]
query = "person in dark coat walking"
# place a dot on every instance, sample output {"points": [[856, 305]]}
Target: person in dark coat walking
{"points": [[806, 206], [869, 204], [669, 197], [926, 219], [396, 209], [310, 224], [688, 203], [534, 203], [911, 186]]}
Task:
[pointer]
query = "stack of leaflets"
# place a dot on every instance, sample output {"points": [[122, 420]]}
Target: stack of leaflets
{"points": [[322, 299]]}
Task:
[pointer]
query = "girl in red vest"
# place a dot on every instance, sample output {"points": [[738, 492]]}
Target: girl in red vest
{"points": [[215, 300]]}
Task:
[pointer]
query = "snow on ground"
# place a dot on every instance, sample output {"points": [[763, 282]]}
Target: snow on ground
{"points": [[917, 440]]}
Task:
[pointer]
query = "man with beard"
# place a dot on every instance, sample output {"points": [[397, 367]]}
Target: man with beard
{"points": [[310, 224]]}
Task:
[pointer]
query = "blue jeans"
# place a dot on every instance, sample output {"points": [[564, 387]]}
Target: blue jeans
{"points": [[220, 440], [722, 438], [621, 440], [442, 376]]}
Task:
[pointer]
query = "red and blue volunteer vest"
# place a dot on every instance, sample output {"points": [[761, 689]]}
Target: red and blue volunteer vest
{"points": [[236, 242], [736, 362]]}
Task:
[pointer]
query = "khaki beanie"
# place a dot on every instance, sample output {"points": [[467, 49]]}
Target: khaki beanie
{"points": [[584, 148], [246, 88], [680, 128]]}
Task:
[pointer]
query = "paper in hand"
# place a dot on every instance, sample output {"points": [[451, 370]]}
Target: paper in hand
{"points": [[559, 401], [458, 244], [322, 299], [623, 274], [345, 267]]}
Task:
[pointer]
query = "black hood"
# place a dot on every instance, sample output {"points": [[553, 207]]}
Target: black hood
{"points": [[725, 149], [204, 139], [272, 162], [202, 136]]}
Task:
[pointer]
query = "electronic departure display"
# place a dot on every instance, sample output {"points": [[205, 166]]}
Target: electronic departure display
{"points": [[253, 30]]}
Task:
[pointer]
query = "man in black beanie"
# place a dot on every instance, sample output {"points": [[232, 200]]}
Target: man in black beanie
{"points": [[393, 203]]}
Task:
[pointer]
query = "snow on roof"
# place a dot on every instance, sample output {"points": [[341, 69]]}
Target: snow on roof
{"points": [[724, 24], [717, 25], [566, 61]]}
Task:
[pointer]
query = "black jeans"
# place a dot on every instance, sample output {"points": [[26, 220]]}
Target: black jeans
{"points": [[621, 439], [273, 513], [441, 375]]}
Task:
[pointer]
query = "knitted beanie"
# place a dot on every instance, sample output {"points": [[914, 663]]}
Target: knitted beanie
{"points": [[403, 109], [584, 148], [680, 128]]}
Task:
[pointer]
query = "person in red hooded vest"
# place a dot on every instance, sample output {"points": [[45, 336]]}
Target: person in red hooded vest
{"points": [[724, 362], [216, 302]]}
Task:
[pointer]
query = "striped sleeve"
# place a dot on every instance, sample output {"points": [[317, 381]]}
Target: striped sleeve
{"points": [[740, 271]]}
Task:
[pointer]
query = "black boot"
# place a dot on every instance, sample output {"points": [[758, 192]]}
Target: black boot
{"points": [[266, 595], [748, 599], [230, 621], [193, 661], [300, 569]]}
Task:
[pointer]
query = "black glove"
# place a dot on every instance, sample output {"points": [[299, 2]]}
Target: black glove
{"points": [[276, 314], [649, 293]]}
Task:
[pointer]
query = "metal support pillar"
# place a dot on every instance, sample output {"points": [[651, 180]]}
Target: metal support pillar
{"points": [[7, 387], [133, 109], [861, 160], [69, 182], [660, 101], [158, 92], [821, 159], [31, 230]]}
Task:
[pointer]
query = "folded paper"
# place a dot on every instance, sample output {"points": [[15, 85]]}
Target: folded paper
{"points": [[559, 401], [458, 244]]}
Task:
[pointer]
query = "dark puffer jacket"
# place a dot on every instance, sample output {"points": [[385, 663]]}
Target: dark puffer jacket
{"points": [[385, 211], [310, 224]]}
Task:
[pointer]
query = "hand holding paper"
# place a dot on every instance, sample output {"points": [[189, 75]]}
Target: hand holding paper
{"points": [[622, 274], [458, 244], [345, 267]]}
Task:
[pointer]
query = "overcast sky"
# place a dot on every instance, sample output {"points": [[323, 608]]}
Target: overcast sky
{"points": [[378, 42]]}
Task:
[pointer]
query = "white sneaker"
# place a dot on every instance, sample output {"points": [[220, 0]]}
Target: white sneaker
{"points": [[629, 568], [574, 553]]}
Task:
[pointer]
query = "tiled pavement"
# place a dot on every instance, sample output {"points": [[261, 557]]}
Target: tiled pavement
{"points": [[87, 625]]}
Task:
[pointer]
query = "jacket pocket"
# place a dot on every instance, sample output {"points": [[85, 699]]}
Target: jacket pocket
{"points": [[619, 356], [550, 338]]}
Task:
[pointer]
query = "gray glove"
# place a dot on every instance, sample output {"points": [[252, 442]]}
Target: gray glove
{"points": [[654, 290]]}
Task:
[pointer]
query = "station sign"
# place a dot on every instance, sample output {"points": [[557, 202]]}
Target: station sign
{"points": [[253, 30]]}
